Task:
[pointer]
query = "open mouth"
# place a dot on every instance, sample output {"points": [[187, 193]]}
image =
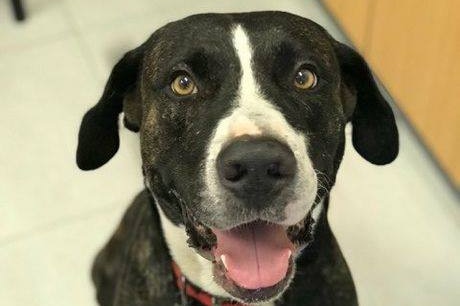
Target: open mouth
{"points": [[254, 255], [254, 262], [253, 259]]}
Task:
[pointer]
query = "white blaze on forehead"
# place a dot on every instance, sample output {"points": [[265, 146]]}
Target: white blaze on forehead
{"points": [[248, 86], [254, 114]]}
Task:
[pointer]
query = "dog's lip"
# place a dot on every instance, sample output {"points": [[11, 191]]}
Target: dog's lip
{"points": [[255, 255], [295, 233], [251, 295], [203, 240]]}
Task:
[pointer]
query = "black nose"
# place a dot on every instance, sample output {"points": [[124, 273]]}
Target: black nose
{"points": [[256, 168]]}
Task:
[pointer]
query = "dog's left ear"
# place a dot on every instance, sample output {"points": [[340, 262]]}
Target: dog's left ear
{"points": [[375, 135], [98, 139]]}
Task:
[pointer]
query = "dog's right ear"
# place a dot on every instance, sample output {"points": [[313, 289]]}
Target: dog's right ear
{"points": [[98, 139]]}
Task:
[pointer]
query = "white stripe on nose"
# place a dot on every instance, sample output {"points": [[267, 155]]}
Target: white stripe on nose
{"points": [[254, 114]]}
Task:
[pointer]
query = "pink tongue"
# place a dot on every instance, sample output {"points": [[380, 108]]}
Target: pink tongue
{"points": [[256, 255]]}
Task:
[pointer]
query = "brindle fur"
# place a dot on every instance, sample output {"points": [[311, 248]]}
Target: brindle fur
{"points": [[134, 268]]}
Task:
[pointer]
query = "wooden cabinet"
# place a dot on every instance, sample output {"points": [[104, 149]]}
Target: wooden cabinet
{"points": [[354, 18], [414, 48]]}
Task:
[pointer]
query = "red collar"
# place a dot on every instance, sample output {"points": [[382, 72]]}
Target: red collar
{"points": [[195, 293]]}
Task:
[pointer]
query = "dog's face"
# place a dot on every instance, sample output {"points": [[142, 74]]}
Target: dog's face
{"points": [[241, 120]]}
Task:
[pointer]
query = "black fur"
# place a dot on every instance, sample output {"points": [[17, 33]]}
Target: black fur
{"points": [[133, 269], [98, 139], [375, 135]]}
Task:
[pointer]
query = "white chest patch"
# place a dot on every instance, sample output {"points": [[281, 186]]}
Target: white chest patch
{"points": [[195, 268], [252, 114]]}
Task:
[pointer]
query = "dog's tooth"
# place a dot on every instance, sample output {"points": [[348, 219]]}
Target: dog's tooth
{"points": [[223, 259], [289, 254]]}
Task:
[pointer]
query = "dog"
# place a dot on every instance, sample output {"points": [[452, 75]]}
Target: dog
{"points": [[241, 119]]}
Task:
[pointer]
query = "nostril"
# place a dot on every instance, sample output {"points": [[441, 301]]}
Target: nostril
{"points": [[233, 172], [281, 169], [273, 170]]}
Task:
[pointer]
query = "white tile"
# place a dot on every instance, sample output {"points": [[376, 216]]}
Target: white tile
{"points": [[88, 13], [45, 92], [117, 15], [45, 21], [398, 228], [109, 41], [105, 46], [53, 268]]}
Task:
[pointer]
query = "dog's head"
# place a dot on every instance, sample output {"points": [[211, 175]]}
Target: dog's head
{"points": [[241, 120]]}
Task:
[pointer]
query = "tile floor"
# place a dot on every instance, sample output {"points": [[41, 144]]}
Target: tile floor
{"points": [[399, 225]]}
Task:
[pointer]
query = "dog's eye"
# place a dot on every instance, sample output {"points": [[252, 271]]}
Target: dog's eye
{"points": [[305, 79], [183, 85]]}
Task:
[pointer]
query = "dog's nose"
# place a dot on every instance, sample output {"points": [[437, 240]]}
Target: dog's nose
{"points": [[256, 168]]}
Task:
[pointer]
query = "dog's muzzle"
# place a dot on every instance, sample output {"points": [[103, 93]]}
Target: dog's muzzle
{"points": [[256, 169]]}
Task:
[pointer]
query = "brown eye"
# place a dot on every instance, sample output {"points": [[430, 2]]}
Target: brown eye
{"points": [[305, 79], [183, 85]]}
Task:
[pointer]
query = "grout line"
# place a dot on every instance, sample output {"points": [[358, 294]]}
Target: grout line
{"points": [[58, 223], [36, 43], [109, 23], [33, 44], [78, 31], [83, 46]]}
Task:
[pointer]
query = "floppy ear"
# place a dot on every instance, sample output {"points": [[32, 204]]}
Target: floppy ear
{"points": [[98, 139], [375, 135]]}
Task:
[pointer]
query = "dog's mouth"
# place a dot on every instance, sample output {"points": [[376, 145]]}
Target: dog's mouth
{"points": [[254, 255], [253, 262]]}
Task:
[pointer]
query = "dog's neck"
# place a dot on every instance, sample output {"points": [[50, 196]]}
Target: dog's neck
{"points": [[194, 267]]}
